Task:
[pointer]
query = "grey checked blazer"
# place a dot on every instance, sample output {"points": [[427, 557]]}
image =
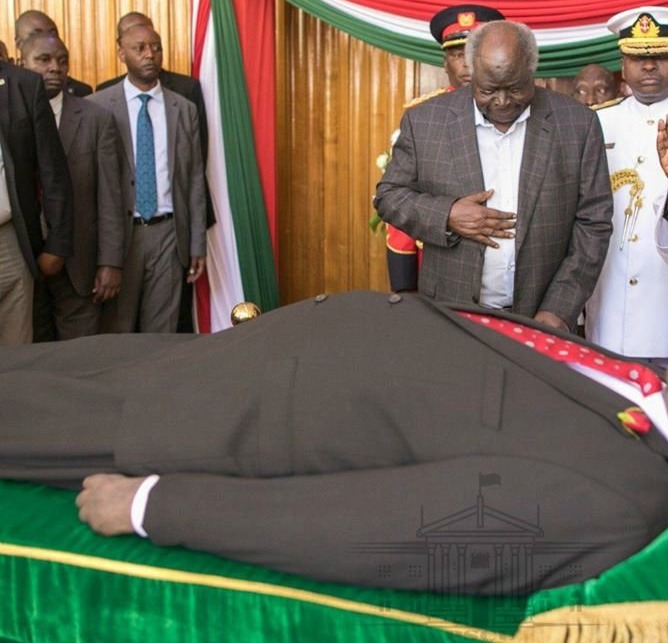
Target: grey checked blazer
{"points": [[565, 202]]}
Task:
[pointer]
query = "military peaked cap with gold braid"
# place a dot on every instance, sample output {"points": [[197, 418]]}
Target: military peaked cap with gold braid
{"points": [[642, 31], [450, 27]]}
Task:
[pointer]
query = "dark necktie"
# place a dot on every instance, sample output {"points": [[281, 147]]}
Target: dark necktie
{"points": [[145, 181]]}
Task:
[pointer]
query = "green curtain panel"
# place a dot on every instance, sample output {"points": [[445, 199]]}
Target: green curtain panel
{"points": [[245, 191], [555, 60]]}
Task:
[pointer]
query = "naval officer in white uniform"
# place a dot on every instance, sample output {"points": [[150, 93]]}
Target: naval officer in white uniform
{"points": [[628, 309]]}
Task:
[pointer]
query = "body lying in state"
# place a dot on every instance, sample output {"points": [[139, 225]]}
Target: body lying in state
{"points": [[305, 438]]}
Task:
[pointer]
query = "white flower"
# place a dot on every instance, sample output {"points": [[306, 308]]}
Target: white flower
{"points": [[382, 160]]}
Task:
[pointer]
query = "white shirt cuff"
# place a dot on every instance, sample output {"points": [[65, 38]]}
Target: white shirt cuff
{"points": [[139, 502]]}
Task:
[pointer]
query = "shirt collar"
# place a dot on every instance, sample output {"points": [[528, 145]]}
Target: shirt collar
{"points": [[656, 110], [57, 103], [481, 121], [132, 91]]}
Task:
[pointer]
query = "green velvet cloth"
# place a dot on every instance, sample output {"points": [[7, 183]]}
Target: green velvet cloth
{"points": [[61, 582]]}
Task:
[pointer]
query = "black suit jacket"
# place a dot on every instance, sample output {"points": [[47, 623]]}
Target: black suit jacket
{"points": [[35, 165], [318, 432]]}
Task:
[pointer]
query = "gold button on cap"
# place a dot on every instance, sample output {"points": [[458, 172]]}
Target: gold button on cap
{"points": [[634, 237]]}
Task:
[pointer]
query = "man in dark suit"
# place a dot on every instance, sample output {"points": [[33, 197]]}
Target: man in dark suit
{"points": [[33, 180], [506, 184], [189, 88], [68, 305], [31, 22], [171, 235], [289, 441]]}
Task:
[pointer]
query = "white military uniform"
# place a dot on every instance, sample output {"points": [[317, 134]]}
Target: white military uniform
{"points": [[628, 311]]}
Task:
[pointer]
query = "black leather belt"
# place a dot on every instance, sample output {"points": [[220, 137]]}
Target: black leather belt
{"points": [[153, 220]]}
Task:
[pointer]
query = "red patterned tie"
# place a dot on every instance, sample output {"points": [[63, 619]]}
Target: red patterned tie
{"points": [[563, 350]]}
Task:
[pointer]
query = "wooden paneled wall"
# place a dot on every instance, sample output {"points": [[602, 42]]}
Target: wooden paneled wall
{"points": [[88, 28], [338, 102]]}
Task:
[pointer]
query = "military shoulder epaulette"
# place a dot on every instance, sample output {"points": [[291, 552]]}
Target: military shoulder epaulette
{"points": [[609, 103], [424, 97]]}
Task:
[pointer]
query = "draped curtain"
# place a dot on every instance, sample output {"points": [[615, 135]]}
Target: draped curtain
{"points": [[570, 33]]}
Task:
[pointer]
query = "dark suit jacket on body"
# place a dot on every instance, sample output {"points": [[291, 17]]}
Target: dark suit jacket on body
{"points": [[564, 210], [31, 148], [290, 441]]}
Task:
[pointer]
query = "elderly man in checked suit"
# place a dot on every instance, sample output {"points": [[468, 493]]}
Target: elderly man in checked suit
{"points": [[506, 184]]}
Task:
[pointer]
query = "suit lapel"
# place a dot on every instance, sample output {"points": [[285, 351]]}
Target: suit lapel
{"points": [[70, 120], [119, 107], [464, 134], [535, 158], [4, 103], [172, 115], [572, 384], [7, 157]]}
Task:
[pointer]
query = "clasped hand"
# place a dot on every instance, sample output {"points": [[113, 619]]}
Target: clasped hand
{"points": [[470, 218]]}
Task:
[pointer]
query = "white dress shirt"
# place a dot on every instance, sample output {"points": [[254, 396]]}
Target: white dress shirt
{"points": [[5, 206], [57, 107], [501, 158], [156, 110]]}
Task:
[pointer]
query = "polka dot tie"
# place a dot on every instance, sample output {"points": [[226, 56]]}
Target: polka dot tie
{"points": [[146, 186], [563, 350]]}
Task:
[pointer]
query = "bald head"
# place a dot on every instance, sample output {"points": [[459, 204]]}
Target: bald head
{"points": [[594, 84], [503, 43], [132, 19], [32, 22], [503, 57]]}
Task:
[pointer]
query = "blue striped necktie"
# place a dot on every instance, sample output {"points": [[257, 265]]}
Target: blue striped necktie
{"points": [[146, 184]]}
